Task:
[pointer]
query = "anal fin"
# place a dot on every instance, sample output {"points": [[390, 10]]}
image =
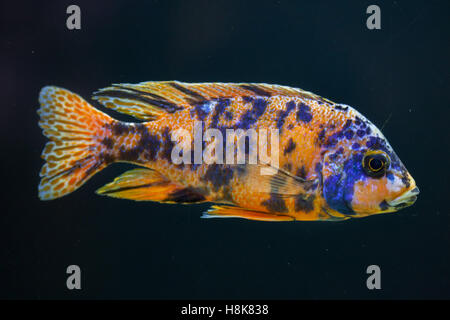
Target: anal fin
{"points": [[238, 212], [149, 185]]}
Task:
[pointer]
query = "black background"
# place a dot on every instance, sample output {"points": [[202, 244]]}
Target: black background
{"points": [[147, 250]]}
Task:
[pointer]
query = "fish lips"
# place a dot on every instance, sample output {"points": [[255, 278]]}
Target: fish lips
{"points": [[405, 200]]}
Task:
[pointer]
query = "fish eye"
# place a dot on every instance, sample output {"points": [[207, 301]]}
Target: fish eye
{"points": [[375, 163]]}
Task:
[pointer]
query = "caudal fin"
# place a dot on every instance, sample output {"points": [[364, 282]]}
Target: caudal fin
{"points": [[75, 130]]}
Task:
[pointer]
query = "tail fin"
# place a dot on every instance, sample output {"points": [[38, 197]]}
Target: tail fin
{"points": [[75, 130]]}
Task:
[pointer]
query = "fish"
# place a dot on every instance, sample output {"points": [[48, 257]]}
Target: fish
{"points": [[332, 163]]}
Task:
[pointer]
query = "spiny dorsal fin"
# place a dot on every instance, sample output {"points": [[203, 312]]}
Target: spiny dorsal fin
{"points": [[149, 100]]}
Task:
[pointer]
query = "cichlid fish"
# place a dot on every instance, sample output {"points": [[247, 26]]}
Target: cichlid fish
{"points": [[333, 163]]}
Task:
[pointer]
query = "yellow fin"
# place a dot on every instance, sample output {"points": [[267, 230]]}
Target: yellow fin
{"points": [[139, 185], [238, 212], [74, 128], [149, 185], [149, 100]]}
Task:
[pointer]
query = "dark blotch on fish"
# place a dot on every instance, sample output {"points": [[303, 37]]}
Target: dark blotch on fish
{"points": [[339, 152], [130, 155], [349, 134], [119, 128], [339, 188], [284, 113], [383, 205], [321, 136], [228, 115], [275, 203], [361, 133], [168, 144], [186, 195], [373, 143], [304, 204], [247, 99], [347, 124], [148, 145], [290, 146], [405, 180], [108, 142], [331, 141], [301, 172], [218, 175], [241, 170], [219, 108], [304, 113], [252, 115], [106, 158], [200, 111]]}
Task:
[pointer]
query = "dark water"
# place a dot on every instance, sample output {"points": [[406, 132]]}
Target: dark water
{"points": [[147, 250]]}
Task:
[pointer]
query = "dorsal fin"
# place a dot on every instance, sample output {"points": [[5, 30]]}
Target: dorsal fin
{"points": [[149, 100]]}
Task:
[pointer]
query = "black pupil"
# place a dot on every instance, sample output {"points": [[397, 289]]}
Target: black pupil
{"points": [[375, 164]]}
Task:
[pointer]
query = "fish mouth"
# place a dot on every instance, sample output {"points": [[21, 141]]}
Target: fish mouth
{"points": [[405, 200]]}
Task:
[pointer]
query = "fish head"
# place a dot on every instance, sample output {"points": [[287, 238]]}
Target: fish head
{"points": [[362, 175]]}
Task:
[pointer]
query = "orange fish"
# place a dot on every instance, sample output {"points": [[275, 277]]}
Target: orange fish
{"points": [[332, 163]]}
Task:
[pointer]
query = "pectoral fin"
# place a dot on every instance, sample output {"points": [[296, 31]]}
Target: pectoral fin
{"points": [[280, 183], [238, 212]]}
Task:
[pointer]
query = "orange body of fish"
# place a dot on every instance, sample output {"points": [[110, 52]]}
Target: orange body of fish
{"points": [[332, 163]]}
